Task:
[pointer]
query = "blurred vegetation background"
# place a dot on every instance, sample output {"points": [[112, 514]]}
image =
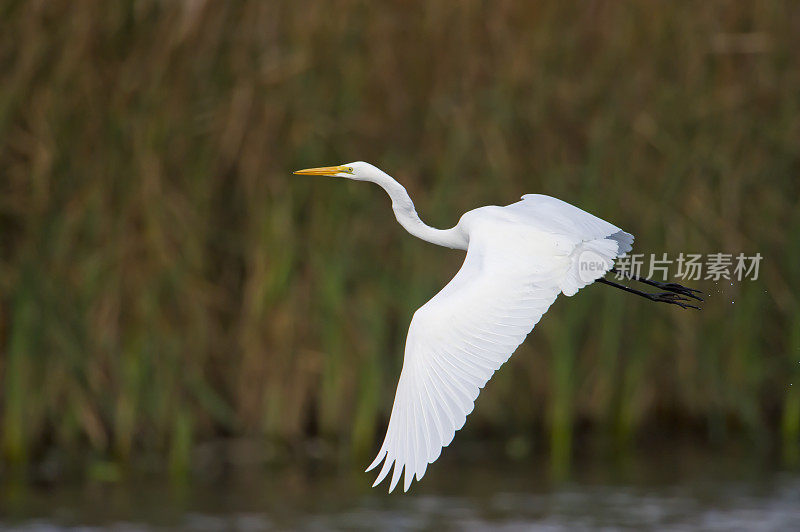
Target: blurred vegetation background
{"points": [[166, 282]]}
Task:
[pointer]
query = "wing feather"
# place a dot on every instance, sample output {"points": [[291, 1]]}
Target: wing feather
{"points": [[456, 341]]}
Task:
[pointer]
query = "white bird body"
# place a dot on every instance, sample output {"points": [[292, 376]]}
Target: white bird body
{"points": [[519, 259]]}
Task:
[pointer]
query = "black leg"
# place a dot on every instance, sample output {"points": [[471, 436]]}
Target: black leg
{"points": [[670, 287], [672, 298]]}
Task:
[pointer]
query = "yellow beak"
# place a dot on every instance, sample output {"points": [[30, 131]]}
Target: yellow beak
{"points": [[324, 170]]}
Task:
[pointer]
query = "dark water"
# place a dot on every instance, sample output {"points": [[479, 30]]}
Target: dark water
{"points": [[664, 490]]}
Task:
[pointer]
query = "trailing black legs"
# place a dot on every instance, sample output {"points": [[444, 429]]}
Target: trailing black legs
{"points": [[669, 287], [675, 294]]}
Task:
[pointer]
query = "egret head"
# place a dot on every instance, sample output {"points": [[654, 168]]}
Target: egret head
{"points": [[359, 171]]}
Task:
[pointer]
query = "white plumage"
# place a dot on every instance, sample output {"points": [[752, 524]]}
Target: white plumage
{"points": [[515, 268], [519, 258]]}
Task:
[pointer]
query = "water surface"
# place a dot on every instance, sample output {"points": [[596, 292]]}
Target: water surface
{"points": [[665, 490]]}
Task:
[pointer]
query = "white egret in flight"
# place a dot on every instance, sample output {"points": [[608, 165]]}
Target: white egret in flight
{"points": [[519, 259]]}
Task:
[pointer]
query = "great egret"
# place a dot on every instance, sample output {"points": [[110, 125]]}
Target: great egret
{"points": [[519, 258]]}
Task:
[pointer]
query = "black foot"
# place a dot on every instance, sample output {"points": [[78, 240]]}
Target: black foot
{"points": [[678, 289], [670, 287], [673, 298], [676, 296]]}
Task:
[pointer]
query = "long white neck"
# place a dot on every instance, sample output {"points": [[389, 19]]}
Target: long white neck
{"points": [[407, 215]]}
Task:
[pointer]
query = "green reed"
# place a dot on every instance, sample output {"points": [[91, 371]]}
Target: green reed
{"points": [[165, 280]]}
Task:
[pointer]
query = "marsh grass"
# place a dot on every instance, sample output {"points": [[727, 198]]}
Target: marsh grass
{"points": [[164, 280]]}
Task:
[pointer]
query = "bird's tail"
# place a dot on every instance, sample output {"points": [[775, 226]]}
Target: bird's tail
{"points": [[589, 261]]}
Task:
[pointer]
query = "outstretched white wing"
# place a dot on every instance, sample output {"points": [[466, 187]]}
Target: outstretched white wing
{"points": [[511, 275]]}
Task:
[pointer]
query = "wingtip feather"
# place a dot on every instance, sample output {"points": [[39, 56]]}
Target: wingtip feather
{"points": [[398, 470], [387, 465], [409, 476], [378, 460]]}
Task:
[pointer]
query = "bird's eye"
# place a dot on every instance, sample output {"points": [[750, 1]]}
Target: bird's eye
{"points": [[349, 169]]}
